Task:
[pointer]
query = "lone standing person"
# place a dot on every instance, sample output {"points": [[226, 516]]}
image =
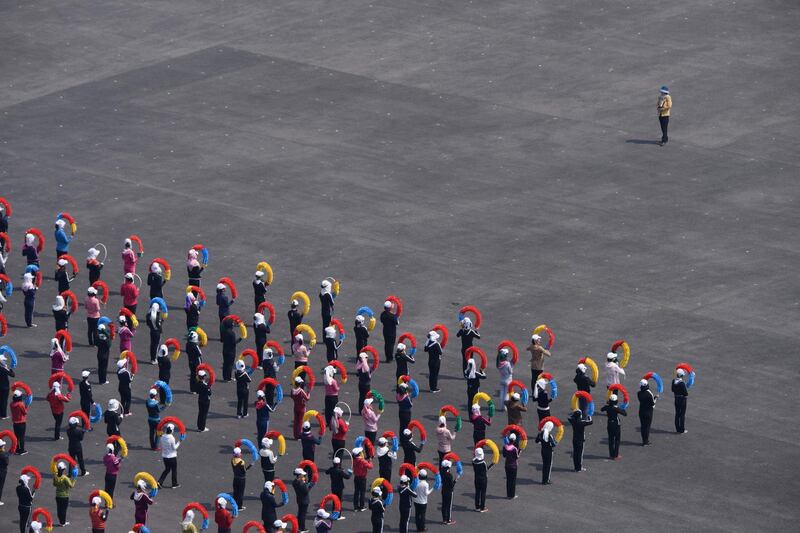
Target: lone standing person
{"points": [[664, 106]]}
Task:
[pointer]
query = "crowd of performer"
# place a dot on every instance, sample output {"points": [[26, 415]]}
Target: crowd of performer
{"points": [[382, 462]]}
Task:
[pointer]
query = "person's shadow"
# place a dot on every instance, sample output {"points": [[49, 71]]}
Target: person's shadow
{"points": [[641, 141]]}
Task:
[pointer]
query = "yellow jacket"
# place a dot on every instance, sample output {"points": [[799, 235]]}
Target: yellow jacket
{"points": [[664, 105]]}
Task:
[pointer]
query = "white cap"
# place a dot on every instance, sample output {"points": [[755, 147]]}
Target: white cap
{"points": [[171, 427], [387, 304], [680, 372], [260, 393], [298, 337], [59, 305], [446, 463], [382, 441], [336, 460], [36, 526], [280, 524], [294, 303], [377, 491], [129, 275], [122, 319], [504, 351], [515, 396], [298, 379], [128, 242], [155, 268], [2, 443], [91, 290], [141, 484], [306, 425], [643, 383], [610, 356], [18, 393], [466, 322], [357, 450], [582, 368], [368, 401], [266, 442], [60, 223], [259, 273], [338, 411], [404, 479], [613, 397], [73, 420], [322, 513], [268, 485], [113, 404], [433, 335], [476, 408], [423, 474], [237, 451], [324, 283], [360, 319], [512, 437], [220, 286], [442, 420], [62, 262], [536, 337], [400, 346], [202, 373], [97, 500], [299, 472], [222, 502], [121, 363], [479, 454], [110, 448], [85, 373], [152, 392], [56, 386], [239, 365], [541, 383], [406, 432]]}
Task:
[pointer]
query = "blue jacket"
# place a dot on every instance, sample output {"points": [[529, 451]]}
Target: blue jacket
{"points": [[62, 240]]}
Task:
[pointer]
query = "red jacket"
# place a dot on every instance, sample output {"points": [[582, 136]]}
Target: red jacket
{"points": [[223, 518], [19, 412], [57, 402], [341, 430], [360, 467], [130, 293], [300, 398]]}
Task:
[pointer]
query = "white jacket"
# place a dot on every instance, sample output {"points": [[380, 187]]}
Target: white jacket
{"points": [[169, 446], [422, 490], [613, 372]]}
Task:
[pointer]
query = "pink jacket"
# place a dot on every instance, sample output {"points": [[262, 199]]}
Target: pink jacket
{"points": [[129, 260], [445, 439], [57, 361], [130, 293], [332, 389], [92, 305], [112, 463], [301, 353], [370, 419], [125, 339]]}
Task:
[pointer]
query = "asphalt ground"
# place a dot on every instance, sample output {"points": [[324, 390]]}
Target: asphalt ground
{"points": [[500, 154]]}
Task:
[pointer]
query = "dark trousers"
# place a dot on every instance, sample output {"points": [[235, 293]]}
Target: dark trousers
{"points": [[302, 510], [77, 455], [152, 425], [269, 475], [29, 311], [62, 504], [330, 405], [170, 466], [125, 400], [2, 483], [664, 122], [363, 389], [110, 484], [614, 434], [388, 348], [359, 501], [202, 414], [4, 402], [473, 388], [441, 457], [680, 414], [91, 330], [24, 516], [262, 426], [238, 490], [543, 413], [155, 343], [480, 494], [337, 444], [377, 524], [58, 418], [405, 418], [19, 432], [535, 372], [447, 505], [326, 320], [547, 464], [577, 455], [433, 373], [478, 434], [102, 367], [241, 402], [645, 420], [511, 481], [371, 436], [193, 378], [405, 514], [131, 308], [419, 515], [227, 366]]}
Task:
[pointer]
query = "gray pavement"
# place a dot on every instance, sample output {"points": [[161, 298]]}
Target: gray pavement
{"points": [[499, 154]]}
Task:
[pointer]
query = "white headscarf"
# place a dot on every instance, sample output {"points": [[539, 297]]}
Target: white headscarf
{"points": [[188, 518], [29, 238], [153, 312], [59, 305], [541, 384], [546, 429], [27, 281], [325, 287]]}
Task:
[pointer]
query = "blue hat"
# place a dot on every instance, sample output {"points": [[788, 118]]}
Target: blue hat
{"points": [[665, 89]]}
